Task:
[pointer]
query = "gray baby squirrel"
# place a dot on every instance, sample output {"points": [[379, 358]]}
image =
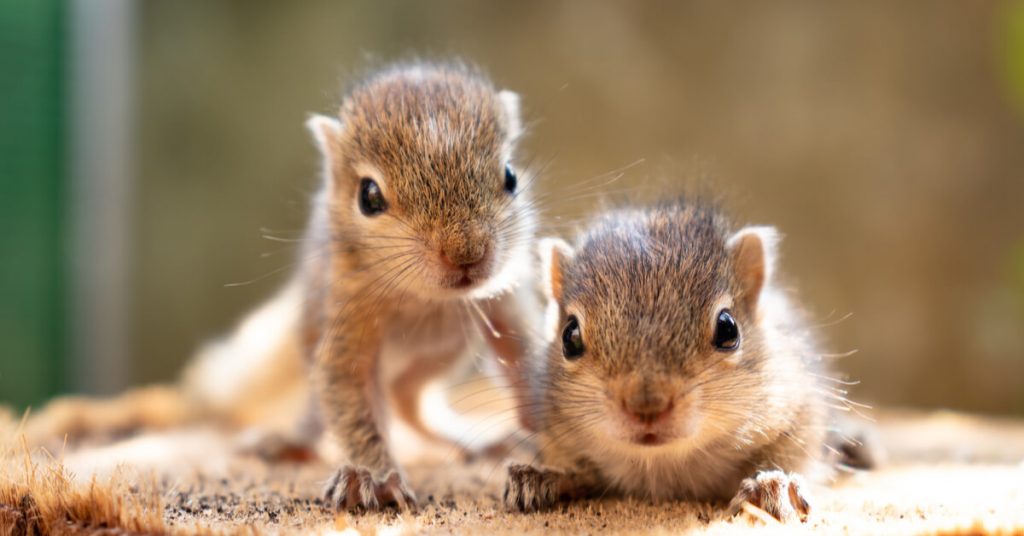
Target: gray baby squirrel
{"points": [[421, 226], [676, 369]]}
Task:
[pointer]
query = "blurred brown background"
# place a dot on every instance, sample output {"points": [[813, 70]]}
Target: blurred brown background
{"points": [[884, 139]]}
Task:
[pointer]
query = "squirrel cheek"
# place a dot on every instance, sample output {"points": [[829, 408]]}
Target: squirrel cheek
{"points": [[690, 424], [734, 358], [691, 413]]}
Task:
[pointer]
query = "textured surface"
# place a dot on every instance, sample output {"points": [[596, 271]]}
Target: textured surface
{"points": [[947, 473]]}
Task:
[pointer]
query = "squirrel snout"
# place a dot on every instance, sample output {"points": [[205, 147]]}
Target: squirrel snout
{"points": [[464, 255], [646, 408], [461, 261]]}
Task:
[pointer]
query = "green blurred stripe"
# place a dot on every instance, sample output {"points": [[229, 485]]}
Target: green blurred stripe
{"points": [[32, 207]]}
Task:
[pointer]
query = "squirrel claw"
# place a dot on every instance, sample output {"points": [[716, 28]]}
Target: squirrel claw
{"points": [[783, 496], [529, 490], [354, 488]]}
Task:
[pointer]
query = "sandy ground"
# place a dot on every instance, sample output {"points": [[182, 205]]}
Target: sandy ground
{"points": [[946, 473]]}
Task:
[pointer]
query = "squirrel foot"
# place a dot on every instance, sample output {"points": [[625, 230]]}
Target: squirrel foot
{"points": [[529, 490], [354, 488], [783, 496], [275, 447]]}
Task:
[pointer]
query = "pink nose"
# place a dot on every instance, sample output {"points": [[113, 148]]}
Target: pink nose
{"points": [[648, 410]]}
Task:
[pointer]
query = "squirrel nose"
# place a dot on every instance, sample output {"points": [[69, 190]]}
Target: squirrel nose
{"points": [[463, 248], [463, 258], [648, 408]]}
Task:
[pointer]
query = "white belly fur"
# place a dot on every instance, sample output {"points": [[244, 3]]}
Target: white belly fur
{"points": [[446, 331]]}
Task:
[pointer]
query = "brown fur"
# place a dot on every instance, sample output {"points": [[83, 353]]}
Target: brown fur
{"points": [[436, 139], [646, 286]]}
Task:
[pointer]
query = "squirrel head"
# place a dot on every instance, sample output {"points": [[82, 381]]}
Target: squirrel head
{"points": [[421, 183], [655, 332]]}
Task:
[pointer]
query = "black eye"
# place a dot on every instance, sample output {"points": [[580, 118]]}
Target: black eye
{"points": [[371, 199], [572, 339], [727, 332], [511, 181]]}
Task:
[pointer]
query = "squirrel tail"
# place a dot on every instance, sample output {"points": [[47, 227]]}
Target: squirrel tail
{"points": [[254, 376], [257, 374]]}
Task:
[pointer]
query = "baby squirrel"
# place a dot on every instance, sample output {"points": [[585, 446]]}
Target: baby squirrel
{"points": [[418, 255], [678, 369], [421, 226]]}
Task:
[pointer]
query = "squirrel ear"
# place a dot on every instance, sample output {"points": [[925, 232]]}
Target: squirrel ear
{"points": [[326, 132], [510, 102], [554, 254], [753, 251]]}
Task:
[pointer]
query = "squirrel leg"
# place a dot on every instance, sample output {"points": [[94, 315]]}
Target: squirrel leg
{"points": [[407, 392], [349, 398], [298, 444]]}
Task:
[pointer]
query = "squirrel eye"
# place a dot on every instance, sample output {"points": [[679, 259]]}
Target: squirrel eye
{"points": [[572, 339], [511, 181], [371, 199], [727, 332]]}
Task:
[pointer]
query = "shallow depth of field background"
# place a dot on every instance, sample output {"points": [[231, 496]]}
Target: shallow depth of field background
{"points": [[884, 139]]}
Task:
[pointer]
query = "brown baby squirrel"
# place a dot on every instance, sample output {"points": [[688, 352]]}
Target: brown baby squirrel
{"points": [[677, 368], [420, 232], [419, 255], [423, 222]]}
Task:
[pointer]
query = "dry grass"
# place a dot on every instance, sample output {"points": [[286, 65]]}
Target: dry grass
{"points": [[41, 498]]}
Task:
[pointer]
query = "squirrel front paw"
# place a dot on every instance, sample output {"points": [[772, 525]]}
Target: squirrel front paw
{"points": [[354, 488], [783, 496], [529, 490]]}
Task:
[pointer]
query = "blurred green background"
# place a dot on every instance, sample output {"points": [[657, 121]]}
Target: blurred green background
{"points": [[145, 147]]}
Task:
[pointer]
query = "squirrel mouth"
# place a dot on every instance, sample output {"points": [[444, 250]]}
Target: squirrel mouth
{"points": [[650, 439], [462, 282]]}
